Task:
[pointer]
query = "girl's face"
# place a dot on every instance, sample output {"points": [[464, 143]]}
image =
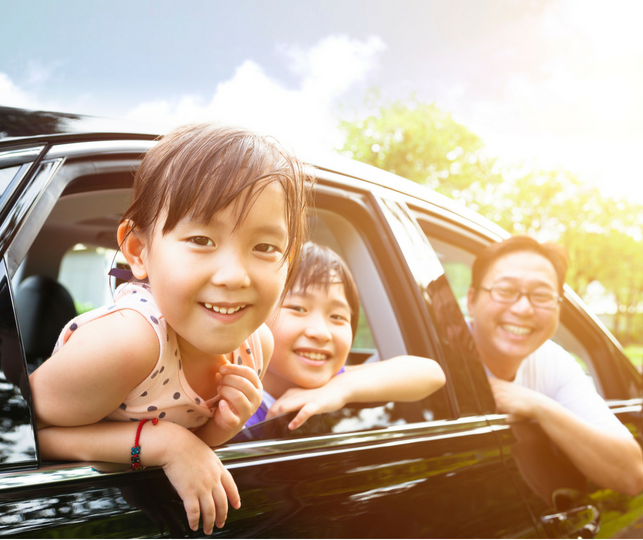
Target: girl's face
{"points": [[313, 336], [215, 285]]}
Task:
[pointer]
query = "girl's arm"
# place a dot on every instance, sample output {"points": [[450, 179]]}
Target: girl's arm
{"points": [[241, 392], [403, 378], [192, 467], [88, 379]]}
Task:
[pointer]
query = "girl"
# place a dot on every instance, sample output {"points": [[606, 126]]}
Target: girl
{"points": [[212, 236], [313, 331]]}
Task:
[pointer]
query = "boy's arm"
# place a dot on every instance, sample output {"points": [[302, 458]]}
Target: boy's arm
{"points": [[403, 378]]}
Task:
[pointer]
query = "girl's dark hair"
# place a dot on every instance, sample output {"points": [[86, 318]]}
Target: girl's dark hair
{"points": [[554, 253], [322, 267], [200, 169]]}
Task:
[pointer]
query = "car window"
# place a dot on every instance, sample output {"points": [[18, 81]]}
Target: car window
{"points": [[83, 271], [457, 264], [77, 244]]}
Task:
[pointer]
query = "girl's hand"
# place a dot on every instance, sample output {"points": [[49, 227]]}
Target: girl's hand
{"points": [[241, 392], [328, 398], [197, 474]]}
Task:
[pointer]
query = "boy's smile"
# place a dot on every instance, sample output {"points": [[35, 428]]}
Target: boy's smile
{"points": [[313, 336]]}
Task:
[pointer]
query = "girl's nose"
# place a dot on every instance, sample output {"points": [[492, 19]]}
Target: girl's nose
{"points": [[230, 272], [317, 329]]}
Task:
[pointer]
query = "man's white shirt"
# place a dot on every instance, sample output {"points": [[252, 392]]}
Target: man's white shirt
{"points": [[552, 371]]}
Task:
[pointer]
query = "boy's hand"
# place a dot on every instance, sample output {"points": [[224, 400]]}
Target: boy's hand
{"points": [[241, 393], [328, 398]]}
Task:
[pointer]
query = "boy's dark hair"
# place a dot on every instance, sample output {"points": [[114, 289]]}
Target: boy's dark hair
{"points": [[321, 267], [200, 169], [554, 253]]}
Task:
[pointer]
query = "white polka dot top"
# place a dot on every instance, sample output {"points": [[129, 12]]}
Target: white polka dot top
{"points": [[165, 393]]}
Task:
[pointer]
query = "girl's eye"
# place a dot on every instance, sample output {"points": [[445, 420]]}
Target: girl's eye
{"points": [[295, 307], [266, 248], [338, 317], [201, 241]]}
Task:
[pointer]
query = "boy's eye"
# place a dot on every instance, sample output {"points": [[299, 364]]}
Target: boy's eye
{"points": [[266, 248], [295, 307], [201, 241]]}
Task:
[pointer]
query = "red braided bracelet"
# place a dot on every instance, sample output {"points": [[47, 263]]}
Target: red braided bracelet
{"points": [[136, 449]]}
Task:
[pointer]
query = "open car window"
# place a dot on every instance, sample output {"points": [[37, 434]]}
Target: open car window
{"points": [[457, 263]]}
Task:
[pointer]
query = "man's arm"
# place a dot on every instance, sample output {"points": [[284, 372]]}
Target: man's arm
{"points": [[403, 378], [610, 460]]}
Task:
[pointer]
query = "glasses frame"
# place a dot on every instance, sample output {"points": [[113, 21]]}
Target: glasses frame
{"points": [[557, 299]]}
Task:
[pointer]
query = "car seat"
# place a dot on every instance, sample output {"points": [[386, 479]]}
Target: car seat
{"points": [[44, 306]]}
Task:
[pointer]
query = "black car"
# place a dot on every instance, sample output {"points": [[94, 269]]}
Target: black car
{"points": [[447, 466]]}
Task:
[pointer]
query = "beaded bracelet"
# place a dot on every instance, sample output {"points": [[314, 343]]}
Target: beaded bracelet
{"points": [[136, 449]]}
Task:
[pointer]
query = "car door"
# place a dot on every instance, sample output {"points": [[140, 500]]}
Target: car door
{"points": [[565, 502]]}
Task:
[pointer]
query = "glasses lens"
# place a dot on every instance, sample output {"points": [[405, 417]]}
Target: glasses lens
{"points": [[500, 294], [543, 300]]}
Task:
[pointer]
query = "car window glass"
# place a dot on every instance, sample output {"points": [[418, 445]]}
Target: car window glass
{"points": [[457, 264], [17, 440], [6, 176]]}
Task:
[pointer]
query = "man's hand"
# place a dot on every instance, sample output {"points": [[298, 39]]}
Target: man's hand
{"points": [[515, 400], [328, 398]]}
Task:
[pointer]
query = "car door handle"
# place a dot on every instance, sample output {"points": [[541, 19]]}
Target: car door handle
{"points": [[580, 522]]}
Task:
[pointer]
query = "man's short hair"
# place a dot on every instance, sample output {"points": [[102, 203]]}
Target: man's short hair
{"points": [[554, 253]]}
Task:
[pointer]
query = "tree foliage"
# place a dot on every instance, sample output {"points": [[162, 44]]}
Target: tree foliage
{"points": [[603, 235], [420, 142]]}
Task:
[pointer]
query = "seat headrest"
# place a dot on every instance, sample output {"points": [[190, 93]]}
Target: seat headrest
{"points": [[44, 306]]}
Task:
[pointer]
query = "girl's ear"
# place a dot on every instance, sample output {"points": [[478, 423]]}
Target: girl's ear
{"points": [[134, 247]]}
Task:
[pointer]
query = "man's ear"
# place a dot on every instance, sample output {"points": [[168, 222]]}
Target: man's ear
{"points": [[471, 295], [134, 246]]}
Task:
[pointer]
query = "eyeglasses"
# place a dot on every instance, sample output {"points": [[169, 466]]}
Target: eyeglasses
{"points": [[506, 295]]}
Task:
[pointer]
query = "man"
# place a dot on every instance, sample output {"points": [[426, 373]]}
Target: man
{"points": [[514, 301]]}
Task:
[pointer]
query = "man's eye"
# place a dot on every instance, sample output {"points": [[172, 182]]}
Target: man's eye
{"points": [[201, 241], [506, 293], [266, 248]]}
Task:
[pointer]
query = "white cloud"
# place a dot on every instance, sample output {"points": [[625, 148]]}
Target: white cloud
{"points": [[11, 95], [302, 116]]}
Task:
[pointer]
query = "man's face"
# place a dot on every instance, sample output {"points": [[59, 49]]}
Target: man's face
{"points": [[506, 333]]}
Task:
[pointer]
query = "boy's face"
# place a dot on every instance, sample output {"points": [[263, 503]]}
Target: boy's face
{"points": [[313, 337]]}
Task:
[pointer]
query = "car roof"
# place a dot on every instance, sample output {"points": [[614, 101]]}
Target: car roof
{"points": [[18, 125]]}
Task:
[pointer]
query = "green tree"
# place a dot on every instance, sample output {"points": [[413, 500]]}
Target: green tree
{"points": [[422, 143]]}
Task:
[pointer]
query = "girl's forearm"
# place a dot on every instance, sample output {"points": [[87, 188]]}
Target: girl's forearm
{"points": [[109, 442], [212, 435], [403, 378]]}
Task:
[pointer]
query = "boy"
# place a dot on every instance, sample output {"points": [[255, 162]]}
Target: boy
{"points": [[313, 332]]}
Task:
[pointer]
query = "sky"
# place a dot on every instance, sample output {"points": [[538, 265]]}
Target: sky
{"points": [[549, 83]]}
